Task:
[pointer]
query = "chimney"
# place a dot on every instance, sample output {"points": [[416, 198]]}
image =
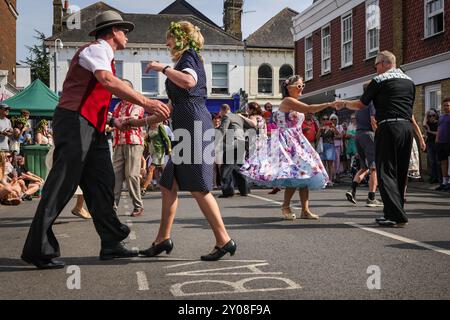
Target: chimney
{"points": [[232, 16], [57, 16], [66, 8]]}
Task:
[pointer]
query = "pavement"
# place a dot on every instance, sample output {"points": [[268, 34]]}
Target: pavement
{"points": [[344, 255]]}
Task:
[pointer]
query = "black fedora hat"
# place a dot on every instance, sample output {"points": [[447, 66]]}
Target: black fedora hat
{"points": [[110, 18]]}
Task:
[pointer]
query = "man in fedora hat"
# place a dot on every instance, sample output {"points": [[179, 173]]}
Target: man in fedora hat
{"points": [[81, 155]]}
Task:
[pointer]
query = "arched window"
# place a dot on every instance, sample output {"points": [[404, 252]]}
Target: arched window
{"points": [[286, 72], [265, 77]]}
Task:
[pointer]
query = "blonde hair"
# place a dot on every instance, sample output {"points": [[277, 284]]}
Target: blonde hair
{"points": [[186, 36], [386, 56]]}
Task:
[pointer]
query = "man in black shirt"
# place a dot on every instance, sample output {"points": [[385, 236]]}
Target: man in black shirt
{"points": [[393, 94]]}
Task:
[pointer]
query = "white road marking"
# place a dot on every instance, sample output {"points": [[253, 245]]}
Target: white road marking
{"points": [[129, 223], [142, 281], [400, 238], [195, 262], [271, 201], [253, 268], [132, 235], [238, 286]]}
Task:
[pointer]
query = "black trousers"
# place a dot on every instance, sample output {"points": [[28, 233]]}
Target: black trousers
{"points": [[393, 151], [231, 175], [81, 157]]}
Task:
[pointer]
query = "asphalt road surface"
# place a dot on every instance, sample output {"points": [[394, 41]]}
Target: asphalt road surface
{"points": [[344, 255]]}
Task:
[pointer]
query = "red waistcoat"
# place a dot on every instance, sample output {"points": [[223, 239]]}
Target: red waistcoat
{"points": [[84, 94]]}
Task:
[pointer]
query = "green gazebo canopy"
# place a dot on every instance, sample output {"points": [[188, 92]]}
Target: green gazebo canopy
{"points": [[37, 98]]}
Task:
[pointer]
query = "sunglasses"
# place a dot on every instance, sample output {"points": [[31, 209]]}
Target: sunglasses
{"points": [[299, 86]]}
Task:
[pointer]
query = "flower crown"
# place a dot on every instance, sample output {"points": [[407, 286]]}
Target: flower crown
{"points": [[19, 120], [182, 39]]}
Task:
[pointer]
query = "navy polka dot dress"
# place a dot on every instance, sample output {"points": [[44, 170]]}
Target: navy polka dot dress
{"points": [[189, 112]]}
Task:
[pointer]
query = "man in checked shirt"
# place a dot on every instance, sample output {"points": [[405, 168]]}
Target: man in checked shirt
{"points": [[128, 149]]}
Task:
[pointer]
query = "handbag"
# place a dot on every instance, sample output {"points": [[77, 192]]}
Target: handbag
{"points": [[319, 147]]}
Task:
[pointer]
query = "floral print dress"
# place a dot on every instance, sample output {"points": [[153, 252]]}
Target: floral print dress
{"points": [[288, 159]]}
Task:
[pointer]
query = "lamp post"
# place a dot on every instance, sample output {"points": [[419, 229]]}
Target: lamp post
{"points": [[58, 45]]}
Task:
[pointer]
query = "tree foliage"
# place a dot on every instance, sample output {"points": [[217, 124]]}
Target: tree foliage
{"points": [[38, 59]]}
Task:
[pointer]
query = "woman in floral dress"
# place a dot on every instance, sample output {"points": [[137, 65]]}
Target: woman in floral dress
{"points": [[290, 160]]}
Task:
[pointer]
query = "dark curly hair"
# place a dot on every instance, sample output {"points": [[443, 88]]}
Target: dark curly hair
{"points": [[287, 83]]}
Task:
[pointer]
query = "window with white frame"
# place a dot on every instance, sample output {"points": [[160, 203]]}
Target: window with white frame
{"points": [[308, 58], [150, 81], [219, 78], [433, 97], [119, 69], [373, 25], [434, 17], [347, 40], [326, 50], [265, 77]]}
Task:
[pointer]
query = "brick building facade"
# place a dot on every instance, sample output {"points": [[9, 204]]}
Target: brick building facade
{"points": [[8, 17], [336, 43]]}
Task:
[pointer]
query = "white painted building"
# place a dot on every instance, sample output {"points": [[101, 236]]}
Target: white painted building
{"points": [[223, 54]]}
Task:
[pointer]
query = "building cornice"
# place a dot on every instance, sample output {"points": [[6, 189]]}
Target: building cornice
{"points": [[426, 62], [319, 14]]}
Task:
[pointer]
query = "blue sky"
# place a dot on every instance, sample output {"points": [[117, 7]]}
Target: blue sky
{"points": [[38, 14]]}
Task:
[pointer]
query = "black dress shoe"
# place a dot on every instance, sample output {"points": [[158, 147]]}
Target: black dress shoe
{"points": [[230, 247], [380, 219], [45, 263], [115, 252], [154, 250]]}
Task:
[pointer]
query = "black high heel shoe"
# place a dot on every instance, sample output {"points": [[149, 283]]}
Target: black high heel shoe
{"points": [[154, 250], [230, 247]]}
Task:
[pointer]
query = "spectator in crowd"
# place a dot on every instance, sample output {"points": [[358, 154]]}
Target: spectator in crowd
{"points": [[328, 132], [414, 161], [268, 116], [43, 135], [6, 129], [31, 181], [159, 145], [365, 144], [256, 121], [310, 129], [9, 195], [339, 146], [16, 139], [128, 150], [431, 123], [350, 142], [443, 144], [28, 128]]}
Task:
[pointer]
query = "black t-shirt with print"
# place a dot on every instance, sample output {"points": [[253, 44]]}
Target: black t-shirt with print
{"points": [[393, 94]]}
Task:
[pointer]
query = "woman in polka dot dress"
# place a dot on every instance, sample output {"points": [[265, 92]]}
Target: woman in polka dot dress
{"points": [[186, 88]]}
